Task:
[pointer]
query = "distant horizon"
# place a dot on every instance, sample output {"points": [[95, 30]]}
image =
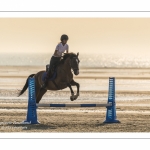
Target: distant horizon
{"points": [[100, 60], [137, 54]]}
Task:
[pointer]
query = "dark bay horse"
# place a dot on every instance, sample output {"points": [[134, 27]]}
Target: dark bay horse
{"points": [[63, 80]]}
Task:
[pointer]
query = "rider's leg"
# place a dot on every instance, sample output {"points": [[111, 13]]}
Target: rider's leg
{"points": [[48, 73], [53, 62]]}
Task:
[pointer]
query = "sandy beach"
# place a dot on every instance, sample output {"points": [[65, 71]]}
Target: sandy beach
{"points": [[132, 102]]}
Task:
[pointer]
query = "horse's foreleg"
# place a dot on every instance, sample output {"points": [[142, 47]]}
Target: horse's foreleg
{"points": [[72, 92], [73, 83]]}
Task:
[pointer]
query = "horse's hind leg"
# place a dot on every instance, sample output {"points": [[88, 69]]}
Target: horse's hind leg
{"points": [[39, 92], [40, 95]]}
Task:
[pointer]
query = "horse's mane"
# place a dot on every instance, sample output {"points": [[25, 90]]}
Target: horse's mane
{"points": [[66, 55]]}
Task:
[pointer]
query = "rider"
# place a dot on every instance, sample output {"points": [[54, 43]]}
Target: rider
{"points": [[60, 48]]}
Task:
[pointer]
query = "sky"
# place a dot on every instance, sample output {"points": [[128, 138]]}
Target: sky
{"points": [[86, 35]]}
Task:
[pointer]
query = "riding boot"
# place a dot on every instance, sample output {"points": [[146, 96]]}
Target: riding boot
{"points": [[46, 80]]}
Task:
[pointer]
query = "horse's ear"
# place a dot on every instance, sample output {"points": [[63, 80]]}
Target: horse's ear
{"points": [[77, 54]]}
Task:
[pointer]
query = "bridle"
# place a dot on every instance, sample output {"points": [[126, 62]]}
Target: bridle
{"points": [[71, 63]]}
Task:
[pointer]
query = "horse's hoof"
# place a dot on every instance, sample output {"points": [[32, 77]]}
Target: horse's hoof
{"points": [[72, 98]]}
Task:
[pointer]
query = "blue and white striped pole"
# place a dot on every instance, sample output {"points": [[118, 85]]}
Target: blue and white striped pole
{"points": [[73, 105]]}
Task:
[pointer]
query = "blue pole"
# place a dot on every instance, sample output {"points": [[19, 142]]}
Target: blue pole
{"points": [[111, 110], [31, 112]]}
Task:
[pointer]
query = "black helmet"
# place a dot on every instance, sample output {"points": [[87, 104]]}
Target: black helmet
{"points": [[64, 37]]}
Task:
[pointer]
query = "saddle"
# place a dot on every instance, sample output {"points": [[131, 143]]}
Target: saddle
{"points": [[52, 76]]}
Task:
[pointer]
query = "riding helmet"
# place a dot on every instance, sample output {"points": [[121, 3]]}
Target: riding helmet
{"points": [[64, 37]]}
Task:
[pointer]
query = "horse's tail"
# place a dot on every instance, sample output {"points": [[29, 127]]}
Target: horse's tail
{"points": [[25, 86]]}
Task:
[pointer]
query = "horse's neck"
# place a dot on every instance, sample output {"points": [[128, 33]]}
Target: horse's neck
{"points": [[66, 66]]}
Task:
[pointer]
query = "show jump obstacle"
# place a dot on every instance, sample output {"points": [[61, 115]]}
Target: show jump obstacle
{"points": [[32, 106]]}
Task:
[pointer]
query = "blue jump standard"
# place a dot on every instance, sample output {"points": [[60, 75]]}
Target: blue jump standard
{"points": [[32, 106]]}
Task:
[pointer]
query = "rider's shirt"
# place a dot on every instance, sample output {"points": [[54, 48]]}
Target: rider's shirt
{"points": [[61, 49]]}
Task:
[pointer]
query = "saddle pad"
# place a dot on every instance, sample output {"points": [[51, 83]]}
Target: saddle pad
{"points": [[52, 78]]}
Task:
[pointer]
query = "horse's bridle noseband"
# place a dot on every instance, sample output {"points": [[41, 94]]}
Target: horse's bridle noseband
{"points": [[70, 62]]}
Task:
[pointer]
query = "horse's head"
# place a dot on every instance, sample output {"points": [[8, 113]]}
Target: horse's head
{"points": [[74, 63]]}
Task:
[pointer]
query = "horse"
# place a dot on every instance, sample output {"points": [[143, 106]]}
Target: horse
{"points": [[64, 78]]}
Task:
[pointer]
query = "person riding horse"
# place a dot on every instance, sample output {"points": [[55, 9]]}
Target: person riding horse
{"points": [[60, 48], [67, 66]]}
